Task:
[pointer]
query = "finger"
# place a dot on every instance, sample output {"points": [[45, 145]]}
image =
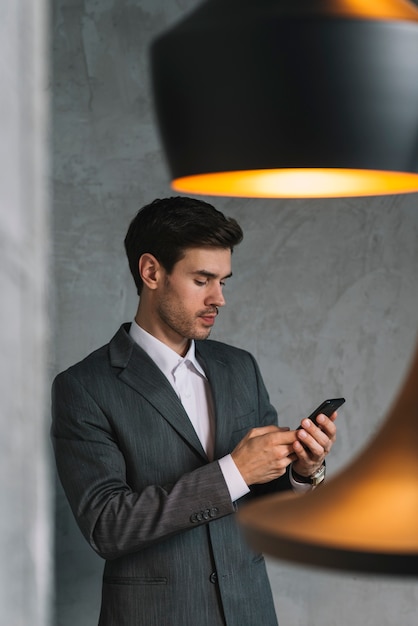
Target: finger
{"points": [[325, 425], [273, 435], [328, 429], [334, 416], [262, 430], [316, 442], [293, 456], [282, 437]]}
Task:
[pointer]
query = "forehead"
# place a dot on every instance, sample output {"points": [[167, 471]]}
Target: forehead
{"points": [[214, 260]]}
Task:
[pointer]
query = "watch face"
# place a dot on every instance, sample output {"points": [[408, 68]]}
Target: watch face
{"points": [[319, 476], [314, 479]]}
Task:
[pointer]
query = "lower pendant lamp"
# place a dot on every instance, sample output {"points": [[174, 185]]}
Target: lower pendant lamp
{"points": [[364, 519], [290, 98]]}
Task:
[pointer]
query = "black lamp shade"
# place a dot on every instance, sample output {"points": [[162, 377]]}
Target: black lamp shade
{"points": [[255, 85]]}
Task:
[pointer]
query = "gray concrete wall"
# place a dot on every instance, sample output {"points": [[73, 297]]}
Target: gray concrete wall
{"points": [[26, 487], [324, 292]]}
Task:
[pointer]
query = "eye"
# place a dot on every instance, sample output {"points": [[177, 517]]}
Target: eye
{"points": [[200, 283]]}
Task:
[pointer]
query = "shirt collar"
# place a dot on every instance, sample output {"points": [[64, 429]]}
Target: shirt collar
{"points": [[163, 356]]}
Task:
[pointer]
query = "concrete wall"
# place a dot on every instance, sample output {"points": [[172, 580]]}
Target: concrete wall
{"points": [[324, 293], [26, 488]]}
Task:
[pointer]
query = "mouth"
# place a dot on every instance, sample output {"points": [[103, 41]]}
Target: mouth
{"points": [[208, 318]]}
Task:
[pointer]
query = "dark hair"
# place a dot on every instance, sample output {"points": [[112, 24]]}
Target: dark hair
{"points": [[167, 227]]}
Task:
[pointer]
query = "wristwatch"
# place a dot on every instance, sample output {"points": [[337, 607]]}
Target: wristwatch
{"points": [[315, 479]]}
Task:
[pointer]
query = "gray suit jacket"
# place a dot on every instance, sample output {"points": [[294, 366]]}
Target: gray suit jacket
{"points": [[145, 495]]}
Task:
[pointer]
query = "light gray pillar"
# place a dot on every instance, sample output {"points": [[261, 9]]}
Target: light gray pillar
{"points": [[25, 528]]}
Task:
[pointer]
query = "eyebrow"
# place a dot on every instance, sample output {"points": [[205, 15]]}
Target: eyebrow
{"points": [[210, 274]]}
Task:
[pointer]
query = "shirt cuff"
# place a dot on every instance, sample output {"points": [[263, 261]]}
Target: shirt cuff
{"points": [[298, 487], [237, 486]]}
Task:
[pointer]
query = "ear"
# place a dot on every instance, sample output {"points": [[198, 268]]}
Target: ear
{"points": [[149, 270]]}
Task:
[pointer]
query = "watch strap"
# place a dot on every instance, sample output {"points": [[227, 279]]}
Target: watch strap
{"points": [[315, 479]]}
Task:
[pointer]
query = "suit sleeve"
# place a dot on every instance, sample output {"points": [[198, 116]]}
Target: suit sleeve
{"points": [[115, 519]]}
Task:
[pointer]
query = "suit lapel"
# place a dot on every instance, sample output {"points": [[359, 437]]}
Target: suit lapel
{"points": [[140, 372], [218, 374]]}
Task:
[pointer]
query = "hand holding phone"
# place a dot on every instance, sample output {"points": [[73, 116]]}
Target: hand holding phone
{"points": [[326, 408]]}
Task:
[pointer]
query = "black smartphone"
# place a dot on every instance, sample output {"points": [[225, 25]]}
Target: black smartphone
{"points": [[327, 408]]}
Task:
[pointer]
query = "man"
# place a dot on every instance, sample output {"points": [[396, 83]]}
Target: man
{"points": [[160, 435]]}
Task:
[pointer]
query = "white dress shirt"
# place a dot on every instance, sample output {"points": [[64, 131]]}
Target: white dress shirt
{"points": [[189, 381]]}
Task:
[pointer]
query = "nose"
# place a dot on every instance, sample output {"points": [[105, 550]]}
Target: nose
{"points": [[216, 296]]}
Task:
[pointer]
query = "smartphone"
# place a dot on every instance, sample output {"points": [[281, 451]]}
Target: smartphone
{"points": [[327, 408]]}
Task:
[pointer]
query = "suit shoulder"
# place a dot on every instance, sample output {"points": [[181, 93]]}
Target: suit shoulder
{"points": [[210, 347], [92, 363], [101, 359]]}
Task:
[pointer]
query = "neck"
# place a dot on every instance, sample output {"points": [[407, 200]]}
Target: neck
{"points": [[172, 340]]}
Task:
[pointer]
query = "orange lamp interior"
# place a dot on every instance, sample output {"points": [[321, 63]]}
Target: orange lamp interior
{"points": [[298, 183]]}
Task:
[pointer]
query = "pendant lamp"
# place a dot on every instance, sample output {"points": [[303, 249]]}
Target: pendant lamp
{"points": [[290, 98], [364, 519], [307, 98]]}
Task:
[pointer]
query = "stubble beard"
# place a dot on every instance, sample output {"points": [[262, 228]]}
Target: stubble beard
{"points": [[180, 321]]}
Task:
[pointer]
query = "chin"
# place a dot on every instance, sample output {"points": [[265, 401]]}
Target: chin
{"points": [[202, 335]]}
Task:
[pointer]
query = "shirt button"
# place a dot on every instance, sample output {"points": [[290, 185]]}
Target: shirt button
{"points": [[213, 578]]}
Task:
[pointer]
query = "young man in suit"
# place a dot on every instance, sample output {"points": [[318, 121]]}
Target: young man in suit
{"points": [[160, 435]]}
